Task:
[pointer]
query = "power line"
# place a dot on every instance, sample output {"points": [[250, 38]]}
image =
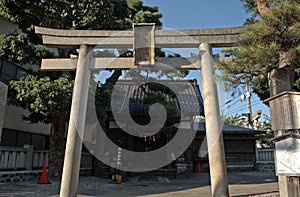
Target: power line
{"points": [[237, 108], [233, 98], [242, 108], [232, 104], [243, 105]]}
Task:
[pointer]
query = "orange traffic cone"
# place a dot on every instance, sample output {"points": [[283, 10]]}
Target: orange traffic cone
{"points": [[44, 176]]}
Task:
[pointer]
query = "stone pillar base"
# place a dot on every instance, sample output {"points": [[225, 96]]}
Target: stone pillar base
{"points": [[181, 170]]}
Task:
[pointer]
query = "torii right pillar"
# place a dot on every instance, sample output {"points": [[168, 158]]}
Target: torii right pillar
{"points": [[214, 135]]}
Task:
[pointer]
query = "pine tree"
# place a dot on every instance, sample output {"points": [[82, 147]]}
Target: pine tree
{"points": [[269, 49]]}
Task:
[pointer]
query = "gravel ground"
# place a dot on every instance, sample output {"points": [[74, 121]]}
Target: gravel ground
{"points": [[272, 194], [254, 184]]}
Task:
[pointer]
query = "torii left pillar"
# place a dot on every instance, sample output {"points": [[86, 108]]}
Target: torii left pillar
{"points": [[71, 167]]}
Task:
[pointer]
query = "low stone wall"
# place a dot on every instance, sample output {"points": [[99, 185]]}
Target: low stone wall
{"points": [[31, 175], [240, 168], [20, 176]]}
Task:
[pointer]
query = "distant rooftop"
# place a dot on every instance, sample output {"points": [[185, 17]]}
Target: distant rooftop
{"points": [[188, 98], [227, 128]]}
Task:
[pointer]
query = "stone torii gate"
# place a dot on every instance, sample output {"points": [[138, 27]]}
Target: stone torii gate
{"points": [[143, 40]]}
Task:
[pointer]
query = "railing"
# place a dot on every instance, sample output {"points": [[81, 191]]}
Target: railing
{"points": [[265, 160], [14, 158], [240, 159], [39, 157], [264, 156]]}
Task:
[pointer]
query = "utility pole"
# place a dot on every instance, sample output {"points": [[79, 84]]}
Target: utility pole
{"points": [[248, 96]]}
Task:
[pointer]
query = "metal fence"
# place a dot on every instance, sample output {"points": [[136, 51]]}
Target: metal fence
{"points": [[240, 159], [265, 160], [264, 155], [14, 158]]}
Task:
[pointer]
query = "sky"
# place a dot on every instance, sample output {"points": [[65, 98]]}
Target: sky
{"points": [[197, 14]]}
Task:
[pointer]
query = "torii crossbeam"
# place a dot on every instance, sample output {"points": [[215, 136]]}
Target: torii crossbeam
{"points": [[143, 40]]}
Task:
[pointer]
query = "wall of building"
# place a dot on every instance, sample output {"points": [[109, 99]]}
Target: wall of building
{"points": [[8, 27], [239, 151], [9, 70], [14, 120], [3, 97]]}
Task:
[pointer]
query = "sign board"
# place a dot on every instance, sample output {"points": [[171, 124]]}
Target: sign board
{"points": [[288, 156], [285, 111], [144, 43]]}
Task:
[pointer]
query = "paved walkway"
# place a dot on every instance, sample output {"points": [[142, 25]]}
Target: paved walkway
{"points": [[241, 184]]}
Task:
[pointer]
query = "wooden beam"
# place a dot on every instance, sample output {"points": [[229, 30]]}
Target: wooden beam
{"points": [[218, 37], [82, 33], [98, 42], [61, 64], [127, 63], [122, 63]]}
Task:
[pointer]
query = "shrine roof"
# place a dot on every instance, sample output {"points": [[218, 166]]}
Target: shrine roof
{"points": [[226, 128], [188, 98]]}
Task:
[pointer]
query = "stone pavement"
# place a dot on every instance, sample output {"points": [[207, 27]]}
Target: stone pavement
{"points": [[241, 184]]}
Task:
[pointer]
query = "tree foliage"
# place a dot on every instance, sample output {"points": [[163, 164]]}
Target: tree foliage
{"points": [[48, 95], [61, 14], [271, 42], [16, 48], [115, 14], [45, 98], [234, 120], [48, 99], [65, 14]]}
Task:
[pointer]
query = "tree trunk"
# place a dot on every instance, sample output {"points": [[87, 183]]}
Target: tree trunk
{"points": [[262, 6], [114, 77], [57, 148], [280, 80]]}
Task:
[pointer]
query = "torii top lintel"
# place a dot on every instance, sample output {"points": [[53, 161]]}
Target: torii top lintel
{"points": [[217, 37], [143, 39]]}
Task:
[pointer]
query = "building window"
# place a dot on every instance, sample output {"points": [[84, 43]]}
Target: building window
{"points": [[11, 71], [15, 138]]}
